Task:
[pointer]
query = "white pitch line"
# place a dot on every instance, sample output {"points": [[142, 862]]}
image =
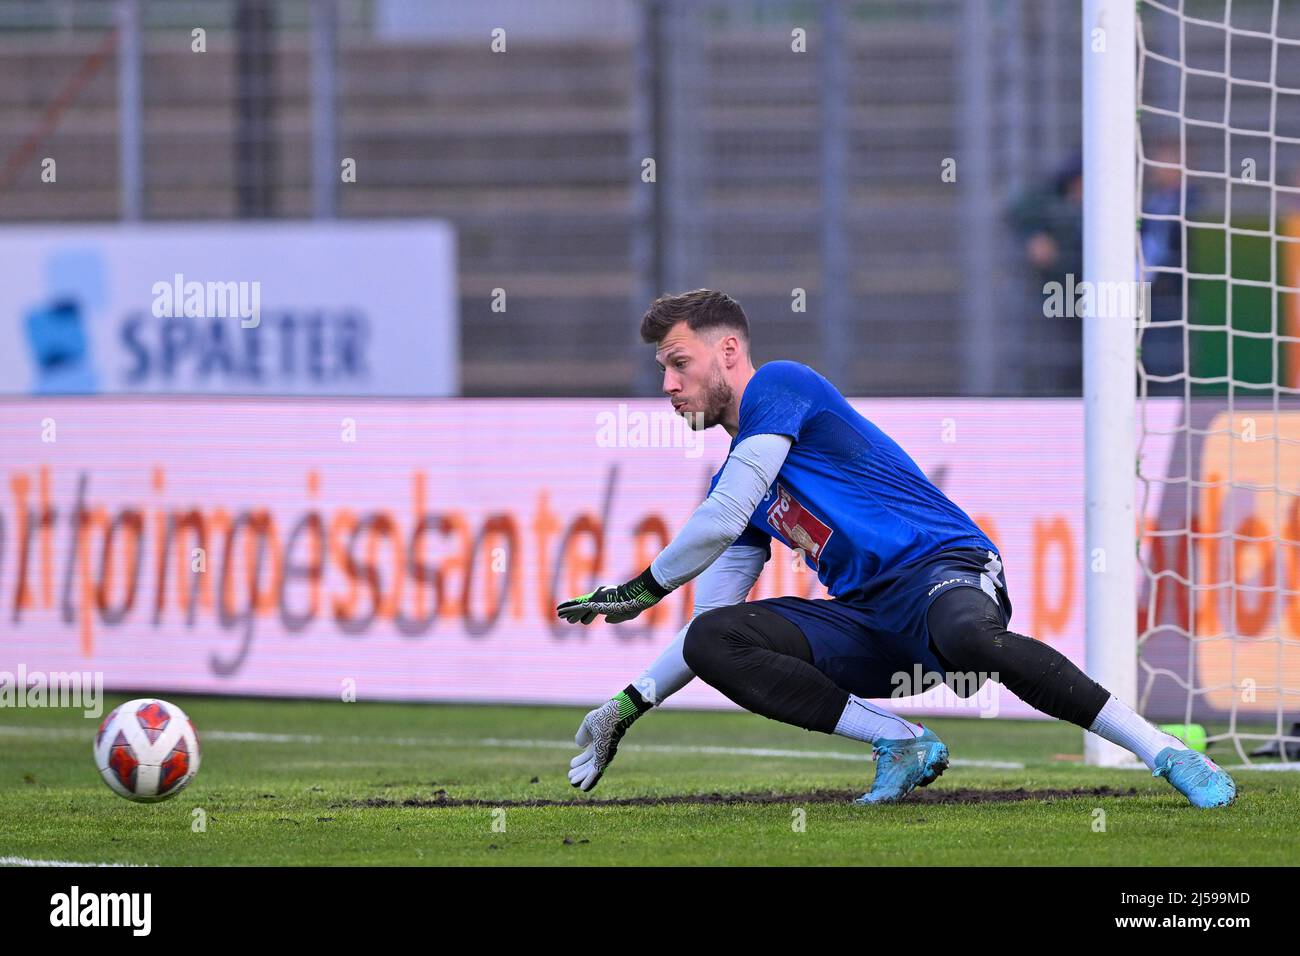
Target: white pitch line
{"points": [[23, 861], [246, 736], [250, 736]]}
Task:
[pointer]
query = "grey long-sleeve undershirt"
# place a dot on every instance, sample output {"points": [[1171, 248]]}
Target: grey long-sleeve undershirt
{"points": [[746, 476], [704, 547]]}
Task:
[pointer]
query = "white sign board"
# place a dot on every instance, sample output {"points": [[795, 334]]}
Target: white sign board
{"points": [[302, 308]]}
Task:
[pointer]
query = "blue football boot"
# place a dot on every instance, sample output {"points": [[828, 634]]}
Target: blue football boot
{"points": [[1196, 777], [903, 765]]}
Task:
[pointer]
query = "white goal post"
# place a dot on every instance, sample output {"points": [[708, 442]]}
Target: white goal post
{"points": [[1109, 357]]}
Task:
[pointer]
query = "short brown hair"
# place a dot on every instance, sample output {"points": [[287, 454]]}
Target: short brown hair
{"points": [[700, 310]]}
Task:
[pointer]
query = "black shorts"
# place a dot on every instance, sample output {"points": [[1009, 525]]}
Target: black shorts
{"points": [[862, 641]]}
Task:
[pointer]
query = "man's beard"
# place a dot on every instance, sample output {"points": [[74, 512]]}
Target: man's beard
{"points": [[716, 400]]}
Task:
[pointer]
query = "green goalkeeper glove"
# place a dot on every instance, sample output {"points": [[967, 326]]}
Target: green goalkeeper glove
{"points": [[621, 603], [600, 733]]}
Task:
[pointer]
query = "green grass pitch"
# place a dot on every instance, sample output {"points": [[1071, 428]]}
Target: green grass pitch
{"points": [[323, 783]]}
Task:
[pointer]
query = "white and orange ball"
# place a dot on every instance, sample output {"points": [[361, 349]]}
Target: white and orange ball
{"points": [[146, 750]]}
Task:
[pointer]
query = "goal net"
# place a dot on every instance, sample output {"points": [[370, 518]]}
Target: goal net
{"points": [[1218, 371]]}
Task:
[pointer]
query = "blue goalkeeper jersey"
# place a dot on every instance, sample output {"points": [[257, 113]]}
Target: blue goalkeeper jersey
{"points": [[847, 495]]}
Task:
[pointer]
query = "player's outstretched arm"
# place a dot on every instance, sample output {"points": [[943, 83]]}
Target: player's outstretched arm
{"points": [[727, 581], [746, 476]]}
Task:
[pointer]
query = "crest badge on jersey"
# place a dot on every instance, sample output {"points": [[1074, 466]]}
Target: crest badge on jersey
{"points": [[797, 525]]}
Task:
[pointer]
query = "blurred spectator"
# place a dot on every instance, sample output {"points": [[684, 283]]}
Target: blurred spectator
{"points": [[1162, 341], [1048, 222]]}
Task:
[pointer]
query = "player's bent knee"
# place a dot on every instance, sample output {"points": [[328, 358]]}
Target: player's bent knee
{"points": [[704, 648], [965, 630]]}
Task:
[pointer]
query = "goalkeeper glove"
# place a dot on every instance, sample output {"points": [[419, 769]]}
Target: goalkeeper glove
{"points": [[600, 733], [621, 603]]}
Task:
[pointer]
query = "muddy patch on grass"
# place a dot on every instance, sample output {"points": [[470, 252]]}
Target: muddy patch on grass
{"points": [[924, 797]]}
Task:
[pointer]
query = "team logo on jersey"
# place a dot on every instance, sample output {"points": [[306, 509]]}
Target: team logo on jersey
{"points": [[797, 525]]}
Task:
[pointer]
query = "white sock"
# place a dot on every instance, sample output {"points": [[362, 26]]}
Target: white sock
{"points": [[1121, 725], [864, 721]]}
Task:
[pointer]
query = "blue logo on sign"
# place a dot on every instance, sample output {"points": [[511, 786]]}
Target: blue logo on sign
{"points": [[56, 329]]}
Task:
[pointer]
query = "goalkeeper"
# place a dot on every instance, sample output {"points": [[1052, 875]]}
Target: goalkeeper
{"points": [[913, 579]]}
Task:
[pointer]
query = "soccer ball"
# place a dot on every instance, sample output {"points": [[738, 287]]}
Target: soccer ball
{"points": [[147, 750]]}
